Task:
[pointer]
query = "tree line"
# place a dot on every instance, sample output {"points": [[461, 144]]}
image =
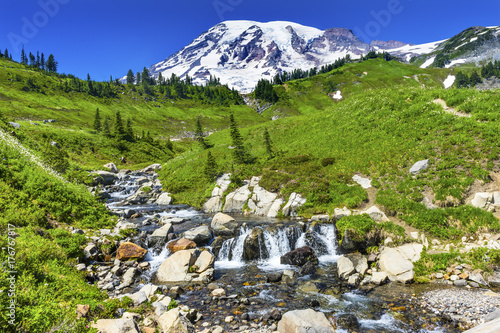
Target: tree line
{"points": [[491, 69]]}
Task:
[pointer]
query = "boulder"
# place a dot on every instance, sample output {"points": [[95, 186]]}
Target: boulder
{"points": [[173, 220], [482, 200], [363, 182], [378, 278], [397, 267], [128, 250], [164, 199], [261, 201], [204, 261], [200, 235], [91, 250], [353, 280], [219, 292], [235, 201], [180, 245], [494, 279], [411, 251], [140, 197], [116, 326], [159, 236], [111, 167], [360, 263], [275, 208], [224, 225], [104, 177], [376, 214], [308, 268], [173, 322], [214, 204], [345, 267], [274, 276], [299, 257], [176, 267], [15, 125], [251, 245], [304, 321], [347, 321], [419, 167], [295, 201], [477, 277], [149, 290], [321, 218], [152, 167], [138, 298], [340, 213]]}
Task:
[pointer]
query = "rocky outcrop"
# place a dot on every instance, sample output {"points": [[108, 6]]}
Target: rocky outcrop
{"points": [[224, 225], [200, 235], [308, 320], [187, 266], [104, 177], [294, 203], [236, 201], [261, 200], [173, 322], [214, 204], [111, 167], [398, 262], [128, 250], [160, 235], [299, 257], [376, 214], [419, 167], [489, 201], [116, 326], [164, 199]]}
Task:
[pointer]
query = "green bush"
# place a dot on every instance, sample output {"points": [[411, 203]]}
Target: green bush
{"points": [[358, 225]]}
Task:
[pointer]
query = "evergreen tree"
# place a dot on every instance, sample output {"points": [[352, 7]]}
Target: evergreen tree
{"points": [[97, 121], [51, 64], [119, 128], [239, 153], [138, 78], [24, 59], [130, 131], [169, 145], [161, 81], [130, 77], [6, 53], [210, 167], [145, 77], [199, 136], [474, 79], [90, 86], [37, 59], [32, 60], [462, 80], [105, 128], [42, 61], [268, 143]]}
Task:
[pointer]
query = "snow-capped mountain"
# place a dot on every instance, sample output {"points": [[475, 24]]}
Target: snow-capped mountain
{"points": [[242, 52]]}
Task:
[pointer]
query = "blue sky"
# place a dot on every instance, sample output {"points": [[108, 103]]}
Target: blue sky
{"points": [[107, 37]]}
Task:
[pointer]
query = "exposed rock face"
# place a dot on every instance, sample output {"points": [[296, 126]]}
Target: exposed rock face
{"points": [[376, 214], [112, 167], [261, 201], [214, 204], [419, 167], [340, 213], [397, 262], [129, 250], [116, 326], [224, 225], [294, 203], [173, 322], [186, 266], [235, 201], [489, 201], [363, 182], [304, 321], [152, 168], [181, 244], [200, 235], [299, 257], [251, 247]]}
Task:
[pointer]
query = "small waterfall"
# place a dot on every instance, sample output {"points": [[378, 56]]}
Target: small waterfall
{"points": [[275, 242]]}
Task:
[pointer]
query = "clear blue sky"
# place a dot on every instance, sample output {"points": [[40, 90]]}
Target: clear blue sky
{"points": [[107, 37]]}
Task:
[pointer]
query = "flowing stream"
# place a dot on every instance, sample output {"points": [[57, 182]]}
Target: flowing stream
{"points": [[322, 291]]}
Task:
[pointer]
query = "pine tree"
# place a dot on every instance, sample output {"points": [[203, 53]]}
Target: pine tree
{"points": [[24, 60], [119, 129], [90, 86], [37, 59], [200, 137], [145, 77], [42, 61], [105, 128], [130, 131], [130, 77], [51, 64], [6, 53], [32, 60], [239, 153], [138, 78], [475, 79], [97, 121], [268, 143], [210, 167]]}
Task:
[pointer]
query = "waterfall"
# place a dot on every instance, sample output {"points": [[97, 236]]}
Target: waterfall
{"points": [[275, 242]]}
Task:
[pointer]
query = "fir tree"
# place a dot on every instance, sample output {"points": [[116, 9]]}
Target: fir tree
{"points": [[200, 137], [119, 129], [90, 86], [51, 64], [138, 78], [145, 77], [475, 79], [130, 77], [37, 59], [97, 121], [239, 153], [6, 53], [32, 60], [268, 143], [42, 61], [130, 131], [105, 128], [24, 59], [169, 145], [210, 167]]}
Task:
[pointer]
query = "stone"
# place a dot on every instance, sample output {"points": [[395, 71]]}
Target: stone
{"points": [[159, 236], [82, 310], [378, 278], [104, 177], [308, 287], [354, 279], [152, 167], [375, 214], [229, 319], [439, 276], [111, 167], [15, 125], [204, 261], [200, 235], [224, 225], [164, 199], [128, 277], [477, 277], [173, 322], [460, 283], [261, 200], [347, 321], [492, 316], [149, 290], [140, 197], [397, 267], [275, 208], [360, 263], [138, 298], [176, 267], [181, 244], [214, 204], [494, 279], [91, 250], [172, 220], [482, 200], [340, 213], [295, 201], [274, 277], [411, 251], [419, 167], [308, 269], [304, 321], [289, 276], [345, 267], [251, 245], [80, 267], [363, 182], [218, 293], [235, 201], [321, 218], [128, 250], [299, 257], [116, 326]]}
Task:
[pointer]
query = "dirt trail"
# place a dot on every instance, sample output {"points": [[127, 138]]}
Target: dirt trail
{"points": [[451, 110]]}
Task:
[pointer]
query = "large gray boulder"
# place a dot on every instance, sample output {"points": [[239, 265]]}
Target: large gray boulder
{"points": [[174, 322], [104, 177], [116, 326], [419, 167], [295, 201], [235, 201], [261, 201], [164, 199], [176, 267], [275, 208], [159, 236], [152, 167], [200, 235], [363, 182], [214, 204], [223, 224], [112, 167], [304, 321], [397, 267], [251, 245], [376, 214], [345, 267]]}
